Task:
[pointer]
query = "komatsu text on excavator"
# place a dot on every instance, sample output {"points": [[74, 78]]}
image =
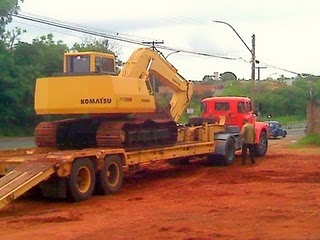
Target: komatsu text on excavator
{"points": [[111, 110]]}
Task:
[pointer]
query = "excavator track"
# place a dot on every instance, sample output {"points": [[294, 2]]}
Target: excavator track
{"points": [[100, 132], [67, 134], [45, 134], [110, 134]]}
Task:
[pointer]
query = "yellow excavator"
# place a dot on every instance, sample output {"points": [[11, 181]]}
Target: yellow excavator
{"points": [[109, 110]]}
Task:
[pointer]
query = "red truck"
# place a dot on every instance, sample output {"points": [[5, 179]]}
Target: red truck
{"points": [[235, 110]]}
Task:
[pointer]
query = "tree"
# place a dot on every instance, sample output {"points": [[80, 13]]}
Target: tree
{"points": [[228, 76], [7, 9], [237, 88], [12, 37], [93, 44], [20, 67], [10, 90]]}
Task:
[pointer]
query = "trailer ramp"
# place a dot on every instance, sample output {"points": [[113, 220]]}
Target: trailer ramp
{"points": [[23, 178]]}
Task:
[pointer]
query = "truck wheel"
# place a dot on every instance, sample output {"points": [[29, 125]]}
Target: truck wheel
{"points": [[228, 157], [110, 178], [262, 146], [82, 179]]}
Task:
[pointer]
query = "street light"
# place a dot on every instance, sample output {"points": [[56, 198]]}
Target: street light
{"points": [[253, 56], [172, 53], [269, 76]]}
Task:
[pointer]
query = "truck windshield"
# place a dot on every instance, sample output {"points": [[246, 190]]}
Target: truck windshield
{"points": [[241, 107], [203, 107]]}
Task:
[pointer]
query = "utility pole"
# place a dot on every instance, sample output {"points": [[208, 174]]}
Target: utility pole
{"points": [[253, 70], [153, 43], [253, 59]]}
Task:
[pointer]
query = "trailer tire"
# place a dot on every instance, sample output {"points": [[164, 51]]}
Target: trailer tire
{"points": [[262, 147], [228, 157], [110, 178], [82, 179]]}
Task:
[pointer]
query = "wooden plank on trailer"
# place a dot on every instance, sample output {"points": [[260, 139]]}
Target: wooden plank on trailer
{"points": [[22, 183], [9, 177], [24, 177], [21, 178]]}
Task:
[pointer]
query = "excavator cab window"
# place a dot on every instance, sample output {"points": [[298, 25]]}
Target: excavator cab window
{"points": [[89, 62], [78, 64], [103, 64]]}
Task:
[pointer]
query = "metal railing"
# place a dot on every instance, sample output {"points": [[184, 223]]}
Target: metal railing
{"points": [[295, 125]]}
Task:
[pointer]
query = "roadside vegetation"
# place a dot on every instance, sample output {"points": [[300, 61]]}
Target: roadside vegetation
{"points": [[309, 140]]}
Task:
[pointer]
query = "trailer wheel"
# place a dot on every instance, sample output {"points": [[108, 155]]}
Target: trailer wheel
{"points": [[82, 179], [262, 146], [228, 157], [110, 178]]}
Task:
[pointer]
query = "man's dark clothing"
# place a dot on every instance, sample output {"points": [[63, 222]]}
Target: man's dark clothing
{"points": [[251, 148]]}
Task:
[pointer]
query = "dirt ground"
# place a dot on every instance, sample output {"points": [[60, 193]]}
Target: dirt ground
{"points": [[278, 198]]}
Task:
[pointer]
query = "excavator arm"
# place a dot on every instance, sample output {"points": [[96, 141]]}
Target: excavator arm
{"points": [[145, 63]]}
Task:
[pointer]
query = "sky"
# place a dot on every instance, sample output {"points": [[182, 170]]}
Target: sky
{"points": [[286, 31]]}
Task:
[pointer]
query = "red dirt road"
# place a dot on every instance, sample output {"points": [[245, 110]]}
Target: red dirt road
{"points": [[279, 198]]}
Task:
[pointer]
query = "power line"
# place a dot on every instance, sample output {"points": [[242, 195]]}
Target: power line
{"points": [[113, 37], [74, 28], [282, 69], [116, 37]]}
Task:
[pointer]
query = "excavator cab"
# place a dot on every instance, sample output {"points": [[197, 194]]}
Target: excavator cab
{"points": [[89, 62]]}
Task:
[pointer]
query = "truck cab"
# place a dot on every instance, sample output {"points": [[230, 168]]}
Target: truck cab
{"points": [[235, 110]]}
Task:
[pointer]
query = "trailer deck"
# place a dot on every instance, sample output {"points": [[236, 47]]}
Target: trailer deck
{"points": [[24, 169]]}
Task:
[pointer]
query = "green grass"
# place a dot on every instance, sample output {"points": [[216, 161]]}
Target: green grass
{"points": [[288, 119], [311, 139]]}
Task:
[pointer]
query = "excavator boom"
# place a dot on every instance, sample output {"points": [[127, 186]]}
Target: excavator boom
{"points": [[145, 62]]}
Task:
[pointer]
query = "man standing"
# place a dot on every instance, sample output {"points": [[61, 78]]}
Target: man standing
{"points": [[248, 135]]}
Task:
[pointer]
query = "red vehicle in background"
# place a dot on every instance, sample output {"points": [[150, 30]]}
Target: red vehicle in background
{"points": [[235, 110]]}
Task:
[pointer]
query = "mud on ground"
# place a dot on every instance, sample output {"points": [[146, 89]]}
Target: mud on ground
{"points": [[278, 198]]}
